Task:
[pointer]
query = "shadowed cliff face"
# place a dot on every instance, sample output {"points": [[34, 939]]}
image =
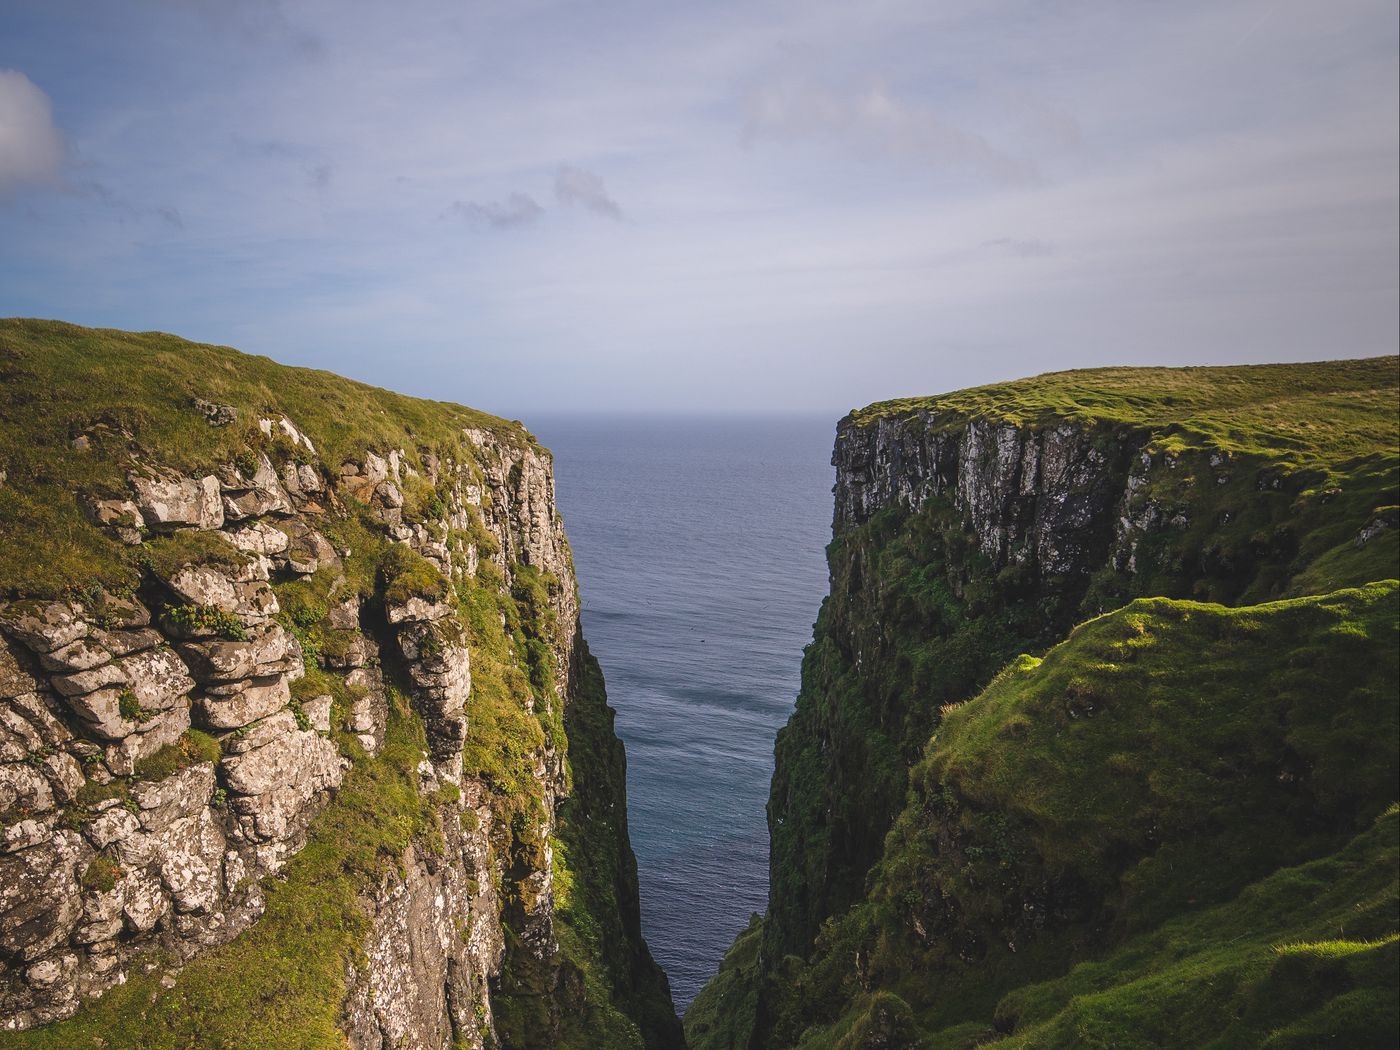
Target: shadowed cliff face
{"points": [[971, 528], [328, 767]]}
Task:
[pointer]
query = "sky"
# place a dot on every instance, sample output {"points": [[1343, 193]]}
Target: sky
{"points": [[756, 207]]}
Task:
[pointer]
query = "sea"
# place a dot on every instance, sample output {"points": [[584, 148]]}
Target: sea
{"points": [[700, 550]]}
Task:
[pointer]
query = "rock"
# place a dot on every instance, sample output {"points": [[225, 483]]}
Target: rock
{"points": [[344, 615], [209, 586], [268, 650], [65, 776], [164, 729], [86, 681], [158, 678], [24, 788], [110, 826], [123, 643], [43, 626], [39, 898], [258, 537], [308, 478], [144, 903], [82, 655], [46, 973], [215, 415], [318, 712], [14, 680], [101, 713], [260, 733], [185, 792], [278, 781], [418, 609], [263, 495], [255, 699], [122, 516], [176, 502]]}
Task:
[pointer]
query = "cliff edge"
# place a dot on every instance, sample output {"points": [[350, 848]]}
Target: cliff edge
{"points": [[933, 846], [300, 744]]}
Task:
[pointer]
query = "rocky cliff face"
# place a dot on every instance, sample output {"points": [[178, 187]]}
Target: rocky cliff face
{"points": [[971, 528], [392, 634]]}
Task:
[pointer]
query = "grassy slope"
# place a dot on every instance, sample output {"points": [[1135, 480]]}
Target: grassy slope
{"points": [[59, 380], [281, 984], [1329, 409], [1151, 767]]}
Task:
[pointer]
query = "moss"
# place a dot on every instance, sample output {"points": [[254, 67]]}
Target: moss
{"points": [[1306, 413], [101, 874], [167, 555], [722, 1015], [405, 574], [192, 748]]}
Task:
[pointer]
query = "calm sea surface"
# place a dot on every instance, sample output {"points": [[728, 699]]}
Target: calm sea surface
{"points": [[700, 549]]}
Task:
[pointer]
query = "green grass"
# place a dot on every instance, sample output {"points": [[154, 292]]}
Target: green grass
{"points": [[1306, 957], [1150, 767], [721, 1016], [133, 392], [1306, 413]]}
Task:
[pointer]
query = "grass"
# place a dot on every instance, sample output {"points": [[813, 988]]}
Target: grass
{"points": [[134, 393], [1272, 472], [282, 982], [1305, 413], [1152, 766]]}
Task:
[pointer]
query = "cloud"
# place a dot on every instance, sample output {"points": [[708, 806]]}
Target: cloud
{"points": [[519, 209], [32, 149], [874, 120], [576, 186]]}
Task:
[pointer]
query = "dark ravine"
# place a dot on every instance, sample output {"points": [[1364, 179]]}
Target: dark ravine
{"points": [[975, 527], [300, 744]]}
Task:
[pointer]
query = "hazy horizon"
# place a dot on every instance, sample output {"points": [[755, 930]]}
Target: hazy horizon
{"points": [[759, 208]]}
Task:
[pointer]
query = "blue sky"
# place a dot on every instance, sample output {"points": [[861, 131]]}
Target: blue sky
{"points": [[534, 206]]}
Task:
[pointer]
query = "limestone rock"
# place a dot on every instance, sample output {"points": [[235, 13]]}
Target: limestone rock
{"points": [[254, 699], [177, 502]]}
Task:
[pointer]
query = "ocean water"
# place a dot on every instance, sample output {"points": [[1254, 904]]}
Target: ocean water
{"points": [[700, 550]]}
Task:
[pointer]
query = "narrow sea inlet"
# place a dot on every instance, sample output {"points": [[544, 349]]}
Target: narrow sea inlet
{"points": [[699, 546]]}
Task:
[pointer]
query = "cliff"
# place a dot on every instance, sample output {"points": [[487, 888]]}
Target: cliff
{"points": [[908, 895], [300, 744]]}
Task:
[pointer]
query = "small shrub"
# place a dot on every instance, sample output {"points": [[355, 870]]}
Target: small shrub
{"points": [[101, 874], [205, 619], [405, 574]]}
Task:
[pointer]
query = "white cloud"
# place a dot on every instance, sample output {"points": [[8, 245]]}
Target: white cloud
{"points": [[31, 149]]}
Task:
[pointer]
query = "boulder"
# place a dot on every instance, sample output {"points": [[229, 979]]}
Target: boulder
{"points": [[169, 503], [268, 650], [44, 626], [254, 699]]}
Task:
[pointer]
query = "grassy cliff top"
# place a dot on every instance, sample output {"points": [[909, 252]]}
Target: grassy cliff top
{"points": [[1320, 411], [132, 396]]}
